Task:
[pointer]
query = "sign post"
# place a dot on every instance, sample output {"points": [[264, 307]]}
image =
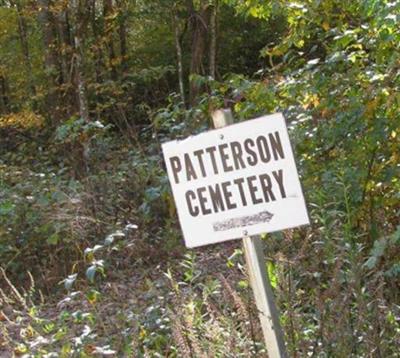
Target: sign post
{"points": [[259, 281], [238, 181]]}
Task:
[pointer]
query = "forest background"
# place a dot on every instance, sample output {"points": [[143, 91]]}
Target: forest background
{"points": [[91, 255]]}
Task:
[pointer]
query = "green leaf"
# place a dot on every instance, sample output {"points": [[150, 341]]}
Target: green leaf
{"points": [[93, 296], [272, 274], [371, 262], [53, 239], [109, 240], [91, 272], [69, 281], [6, 208], [89, 251]]}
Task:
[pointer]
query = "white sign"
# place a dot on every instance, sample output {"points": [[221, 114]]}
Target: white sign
{"points": [[236, 181]]}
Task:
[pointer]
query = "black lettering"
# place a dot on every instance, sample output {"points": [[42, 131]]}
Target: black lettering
{"points": [[203, 201], [276, 145], [266, 186], [176, 167], [190, 172], [239, 182], [253, 189], [228, 195], [237, 154], [252, 158], [198, 154], [279, 179], [224, 157], [193, 210], [211, 151], [263, 149], [216, 198]]}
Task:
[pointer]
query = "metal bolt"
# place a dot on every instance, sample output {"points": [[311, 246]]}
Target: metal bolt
{"points": [[221, 136], [245, 232]]}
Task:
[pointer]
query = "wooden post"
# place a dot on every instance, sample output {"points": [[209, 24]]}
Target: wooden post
{"points": [[253, 250]]}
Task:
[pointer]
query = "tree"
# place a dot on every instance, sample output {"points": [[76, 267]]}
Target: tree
{"points": [[51, 62], [4, 101], [23, 36], [199, 22], [212, 60], [123, 13], [109, 15], [80, 16], [178, 48]]}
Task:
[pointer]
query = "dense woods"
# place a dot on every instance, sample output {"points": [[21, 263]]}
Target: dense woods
{"points": [[92, 261]]}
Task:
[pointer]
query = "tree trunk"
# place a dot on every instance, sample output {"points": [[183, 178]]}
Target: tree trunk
{"points": [[81, 90], [122, 8], [66, 44], [22, 32], [213, 40], [66, 57], [47, 23], [4, 101], [97, 30], [78, 29], [178, 49], [51, 62], [123, 46], [108, 32], [80, 17], [199, 24]]}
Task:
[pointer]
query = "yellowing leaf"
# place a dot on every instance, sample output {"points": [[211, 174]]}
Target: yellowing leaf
{"points": [[22, 120], [325, 26], [310, 100], [142, 333], [370, 108], [21, 349], [90, 348]]}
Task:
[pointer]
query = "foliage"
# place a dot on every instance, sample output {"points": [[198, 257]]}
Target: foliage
{"points": [[179, 308], [22, 120], [72, 185]]}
